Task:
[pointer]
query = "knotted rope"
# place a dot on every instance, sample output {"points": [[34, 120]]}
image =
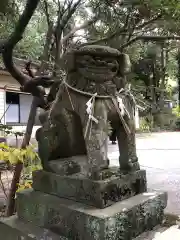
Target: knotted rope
{"points": [[120, 108], [116, 100], [90, 111]]}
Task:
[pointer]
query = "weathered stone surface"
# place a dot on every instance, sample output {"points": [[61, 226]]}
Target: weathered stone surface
{"points": [[123, 220], [95, 74], [64, 167], [113, 188], [69, 166], [15, 229]]}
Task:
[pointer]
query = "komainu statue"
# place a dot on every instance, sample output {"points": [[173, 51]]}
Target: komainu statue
{"points": [[74, 131]]}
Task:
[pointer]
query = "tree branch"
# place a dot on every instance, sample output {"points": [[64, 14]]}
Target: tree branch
{"points": [[46, 51], [142, 25], [124, 30], [67, 4], [75, 29], [28, 69], [127, 23], [47, 12], [71, 11], [15, 38], [111, 36], [28, 84], [2, 43], [62, 21], [149, 38]]}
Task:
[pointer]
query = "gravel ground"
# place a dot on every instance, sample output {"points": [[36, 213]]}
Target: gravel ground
{"points": [[151, 234]]}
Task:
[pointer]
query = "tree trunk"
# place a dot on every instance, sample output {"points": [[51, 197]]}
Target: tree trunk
{"points": [[31, 120], [178, 75], [163, 75], [46, 51], [18, 168]]}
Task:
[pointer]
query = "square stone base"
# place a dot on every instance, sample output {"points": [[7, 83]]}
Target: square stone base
{"points": [[123, 220], [115, 187], [14, 229]]}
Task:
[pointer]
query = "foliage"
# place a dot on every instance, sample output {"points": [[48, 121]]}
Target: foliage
{"points": [[176, 111], [8, 130], [28, 157], [119, 23], [145, 126], [31, 46], [177, 124], [9, 9], [8, 16]]}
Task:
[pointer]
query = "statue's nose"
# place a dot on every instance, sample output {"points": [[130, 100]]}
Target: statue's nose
{"points": [[101, 62]]}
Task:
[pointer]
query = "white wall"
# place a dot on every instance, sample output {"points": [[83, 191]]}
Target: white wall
{"points": [[137, 119], [12, 114], [7, 80], [2, 105], [25, 104]]}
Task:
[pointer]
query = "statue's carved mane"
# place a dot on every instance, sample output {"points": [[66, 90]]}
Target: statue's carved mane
{"points": [[68, 61]]}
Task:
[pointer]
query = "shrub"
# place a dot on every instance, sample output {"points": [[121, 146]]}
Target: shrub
{"points": [[28, 157], [176, 111], [145, 125]]}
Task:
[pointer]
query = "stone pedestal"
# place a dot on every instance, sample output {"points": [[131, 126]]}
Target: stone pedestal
{"points": [[15, 229], [116, 207], [100, 194]]}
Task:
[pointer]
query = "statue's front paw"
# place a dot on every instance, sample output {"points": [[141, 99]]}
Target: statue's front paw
{"points": [[126, 169], [130, 167]]}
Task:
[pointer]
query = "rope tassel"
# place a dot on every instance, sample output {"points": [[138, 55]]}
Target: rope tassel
{"points": [[90, 108], [126, 127], [90, 111], [122, 107]]}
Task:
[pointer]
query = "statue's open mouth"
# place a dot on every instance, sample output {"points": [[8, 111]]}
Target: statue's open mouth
{"points": [[99, 70]]}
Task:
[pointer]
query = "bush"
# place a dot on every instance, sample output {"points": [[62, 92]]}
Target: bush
{"points": [[28, 157], [177, 124], [176, 111], [145, 125]]}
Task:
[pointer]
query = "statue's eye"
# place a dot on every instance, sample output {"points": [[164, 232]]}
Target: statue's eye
{"points": [[114, 69], [87, 57], [97, 58], [110, 60], [82, 62]]}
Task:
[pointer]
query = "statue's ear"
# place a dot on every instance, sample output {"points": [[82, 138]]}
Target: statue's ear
{"points": [[68, 61], [124, 64]]}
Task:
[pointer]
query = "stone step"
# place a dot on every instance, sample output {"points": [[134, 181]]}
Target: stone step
{"points": [[171, 233], [150, 235], [14, 229], [123, 220], [161, 233]]}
